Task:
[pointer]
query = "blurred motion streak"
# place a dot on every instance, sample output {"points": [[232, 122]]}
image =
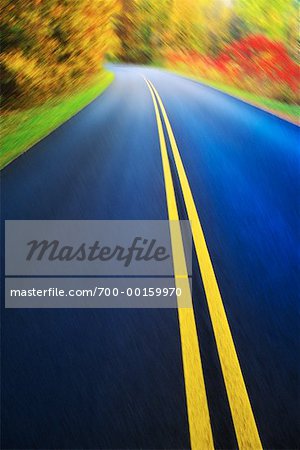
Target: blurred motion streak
{"points": [[53, 54], [51, 47]]}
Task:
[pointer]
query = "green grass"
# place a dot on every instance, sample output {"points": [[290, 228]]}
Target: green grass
{"points": [[274, 105], [21, 129], [286, 110]]}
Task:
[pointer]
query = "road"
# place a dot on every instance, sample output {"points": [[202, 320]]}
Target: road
{"points": [[114, 378]]}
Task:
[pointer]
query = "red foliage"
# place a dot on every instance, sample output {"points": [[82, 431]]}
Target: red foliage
{"points": [[259, 57], [255, 58]]}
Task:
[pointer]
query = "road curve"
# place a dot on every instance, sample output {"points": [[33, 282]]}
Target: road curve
{"points": [[114, 378]]}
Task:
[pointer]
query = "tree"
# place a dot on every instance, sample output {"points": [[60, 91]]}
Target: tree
{"points": [[52, 46]]}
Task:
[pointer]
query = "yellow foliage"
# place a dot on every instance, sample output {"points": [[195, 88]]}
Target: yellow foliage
{"points": [[50, 46]]}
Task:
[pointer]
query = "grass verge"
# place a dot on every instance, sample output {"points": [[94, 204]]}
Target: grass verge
{"points": [[22, 129], [281, 109]]}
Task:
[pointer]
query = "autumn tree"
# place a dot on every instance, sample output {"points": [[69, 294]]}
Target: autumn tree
{"points": [[49, 46], [142, 28]]}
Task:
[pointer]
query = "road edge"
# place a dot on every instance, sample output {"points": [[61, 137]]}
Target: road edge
{"points": [[272, 112], [110, 78]]}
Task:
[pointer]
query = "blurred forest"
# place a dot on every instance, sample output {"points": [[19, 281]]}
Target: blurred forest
{"points": [[50, 47], [249, 44]]}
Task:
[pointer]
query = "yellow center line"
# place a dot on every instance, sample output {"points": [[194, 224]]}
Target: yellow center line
{"points": [[242, 414], [197, 408]]}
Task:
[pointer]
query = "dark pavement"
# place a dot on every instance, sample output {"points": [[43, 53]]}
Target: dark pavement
{"points": [[96, 379]]}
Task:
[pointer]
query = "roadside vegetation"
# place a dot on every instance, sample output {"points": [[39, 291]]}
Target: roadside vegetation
{"points": [[51, 65], [52, 52], [243, 70], [244, 47], [23, 128]]}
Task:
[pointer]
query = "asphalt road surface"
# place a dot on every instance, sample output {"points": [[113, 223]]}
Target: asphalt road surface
{"points": [[114, 379]]}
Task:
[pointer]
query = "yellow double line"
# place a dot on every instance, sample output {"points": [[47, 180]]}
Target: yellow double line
{"points": [[198, 413]]}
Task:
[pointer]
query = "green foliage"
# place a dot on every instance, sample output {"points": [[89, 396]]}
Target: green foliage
{"points": [[271, 18]]}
